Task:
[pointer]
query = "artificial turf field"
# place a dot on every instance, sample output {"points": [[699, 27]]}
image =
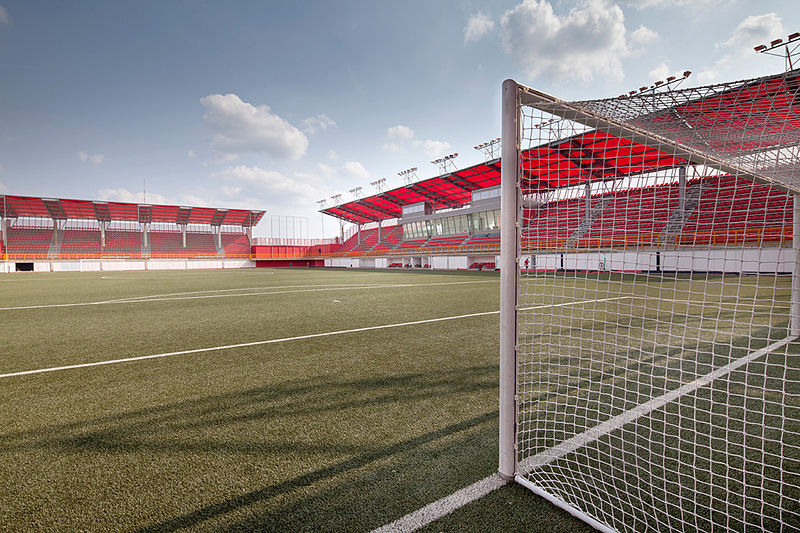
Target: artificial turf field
{"points": [[343, 432], [336, 433]]}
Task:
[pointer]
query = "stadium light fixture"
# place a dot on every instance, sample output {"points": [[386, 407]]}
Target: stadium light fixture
{"points": [[356, 192], [409, 175], [779, 48], [336, 199], [659, 84], [379, 184], [444, 162], [490, 149]]}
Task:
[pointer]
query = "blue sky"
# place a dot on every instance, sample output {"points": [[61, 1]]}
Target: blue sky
{"points": [[274, 105]]}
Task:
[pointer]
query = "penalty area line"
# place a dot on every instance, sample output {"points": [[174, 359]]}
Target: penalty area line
{"points": [[285, 339]]}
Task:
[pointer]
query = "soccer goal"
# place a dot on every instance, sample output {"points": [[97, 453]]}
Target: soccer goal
{"points": [[650, 305]]}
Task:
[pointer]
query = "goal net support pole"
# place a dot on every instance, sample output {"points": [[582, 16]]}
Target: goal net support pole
{"points": [[509, 278], [795, 305], [663, 394]]}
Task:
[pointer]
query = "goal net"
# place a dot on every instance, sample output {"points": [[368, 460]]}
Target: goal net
{"points": [[650, 376]]}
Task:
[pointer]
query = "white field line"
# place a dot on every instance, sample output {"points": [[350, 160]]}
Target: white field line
{"points": [[591, 434], [143, 299], [443, 507], [285, 339], [265, 287]]}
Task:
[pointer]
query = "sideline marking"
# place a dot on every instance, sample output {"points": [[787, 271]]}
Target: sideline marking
{"points": [[144, 299], [285, 339]]}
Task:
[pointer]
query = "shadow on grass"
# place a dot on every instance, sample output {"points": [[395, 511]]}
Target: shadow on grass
{"points": [[271, 424]]}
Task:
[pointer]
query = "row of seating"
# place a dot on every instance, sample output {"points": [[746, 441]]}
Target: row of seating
{"points": [[730, 210]]}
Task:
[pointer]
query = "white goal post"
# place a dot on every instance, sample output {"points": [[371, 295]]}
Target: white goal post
{"points": [[650, 309]]}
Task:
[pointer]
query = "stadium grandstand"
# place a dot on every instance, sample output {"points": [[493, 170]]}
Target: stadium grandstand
{"points": [[450, 221], [591, 190], [64, 234]]}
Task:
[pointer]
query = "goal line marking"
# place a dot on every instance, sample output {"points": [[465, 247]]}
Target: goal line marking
{"points": [[285, 339], [444, 506]]}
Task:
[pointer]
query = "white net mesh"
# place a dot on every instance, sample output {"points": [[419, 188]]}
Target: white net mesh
{"points": [[658, 386]]}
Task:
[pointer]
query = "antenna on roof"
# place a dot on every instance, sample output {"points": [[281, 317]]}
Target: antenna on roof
{"points": [[444, 162], [409, 175], [789, 52], [490, 149], [379, 184]]}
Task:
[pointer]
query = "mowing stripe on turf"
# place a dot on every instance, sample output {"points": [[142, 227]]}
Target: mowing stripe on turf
{"points": [[145, 299], [288, 339], [443, 507]]}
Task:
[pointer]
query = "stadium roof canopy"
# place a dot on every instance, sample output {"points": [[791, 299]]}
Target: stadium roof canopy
{"points": [[752, 108], [563, 163], [64, 209]]}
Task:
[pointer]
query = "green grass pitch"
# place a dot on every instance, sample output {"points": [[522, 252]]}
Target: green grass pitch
{"points": [[337, 433], [344, 432]]}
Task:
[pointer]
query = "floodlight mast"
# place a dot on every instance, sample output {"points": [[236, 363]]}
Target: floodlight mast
{"points": [[337, 199], [379, 184], [490, 149], [322, 203], [409, 175], [444, 162], [670, 83], [789, 52]]}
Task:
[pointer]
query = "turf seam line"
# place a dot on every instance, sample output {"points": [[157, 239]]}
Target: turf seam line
{"points": [[285, 339], [444, 506]]}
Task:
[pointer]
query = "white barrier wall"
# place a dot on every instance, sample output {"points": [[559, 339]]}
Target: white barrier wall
{"points": [[449, 262], [111, 265], [729, 260]]}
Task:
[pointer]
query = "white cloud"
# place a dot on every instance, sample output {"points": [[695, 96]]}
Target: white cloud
{"points": [[477, 26], [755, 30], [433, 148], [643, 35], [400, 132], [644, 4], [355, 170], [242, 127], [4, 18], [750, 32], [659, 72], [589, 40], [317, 123], [273, 186], [403, 138], [124, 195], [332, 155], [95, 159]]}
